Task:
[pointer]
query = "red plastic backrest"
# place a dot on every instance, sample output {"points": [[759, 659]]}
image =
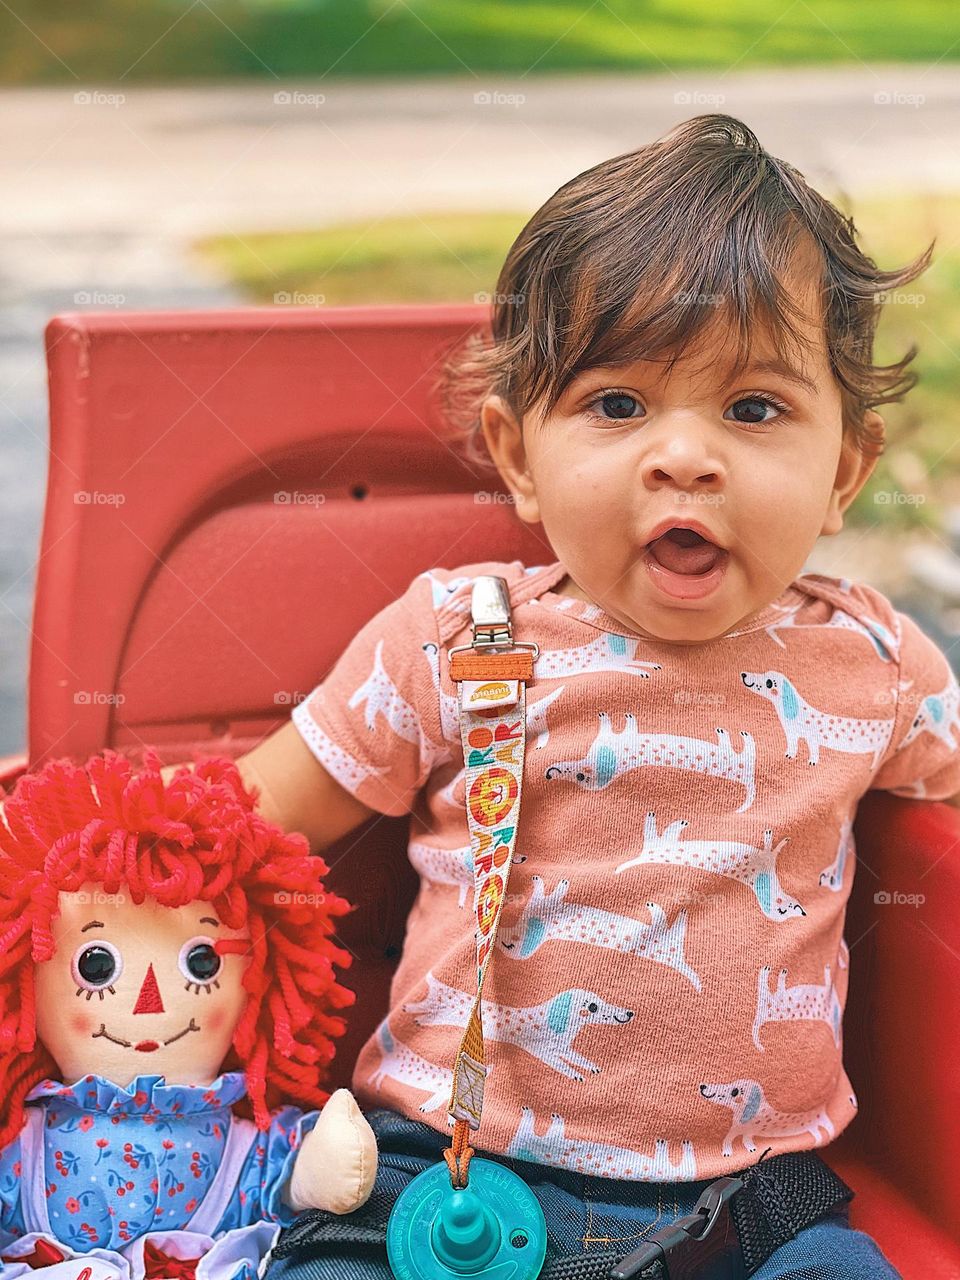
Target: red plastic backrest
{"points": [[231, 495]]}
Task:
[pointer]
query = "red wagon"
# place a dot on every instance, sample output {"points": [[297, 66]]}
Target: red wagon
{"points": [[232, 495]]}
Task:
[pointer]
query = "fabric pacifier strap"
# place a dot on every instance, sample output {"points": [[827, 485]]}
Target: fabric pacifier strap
{"points": [[492, 702]]}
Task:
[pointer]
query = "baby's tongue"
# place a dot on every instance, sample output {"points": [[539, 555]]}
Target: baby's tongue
{"points": [[684, 551]]}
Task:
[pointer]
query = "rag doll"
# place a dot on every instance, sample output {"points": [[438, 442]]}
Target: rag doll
{"points": [[167, 1012]]}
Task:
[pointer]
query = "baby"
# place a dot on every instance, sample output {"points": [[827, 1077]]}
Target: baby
{"points": [[680, 388]]}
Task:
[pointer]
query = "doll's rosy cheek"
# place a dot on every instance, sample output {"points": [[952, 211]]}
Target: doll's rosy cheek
{"points": [[81, 1025], [216, 1020]]}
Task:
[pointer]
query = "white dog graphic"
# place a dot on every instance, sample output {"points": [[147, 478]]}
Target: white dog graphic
{"points": [[808, 1001], [799, 720], [598, 1159], [754, 1117], [549, 917], [752, 865], [546, 1031], [883, 641], [938, 715], [612, 755], [444, 866], [832, 877], [401, 1063]]}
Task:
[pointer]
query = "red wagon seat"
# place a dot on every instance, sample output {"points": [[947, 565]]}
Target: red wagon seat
{"points": [[231, 495]]}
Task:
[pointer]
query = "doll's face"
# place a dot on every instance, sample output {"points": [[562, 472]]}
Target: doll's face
{"points": [[138, 990]]}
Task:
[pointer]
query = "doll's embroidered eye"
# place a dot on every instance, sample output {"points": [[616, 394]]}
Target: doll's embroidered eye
{"points": [[95, 967], [200, 964]]}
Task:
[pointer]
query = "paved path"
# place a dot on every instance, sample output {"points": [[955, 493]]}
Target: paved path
{"points": [[103, 196]]}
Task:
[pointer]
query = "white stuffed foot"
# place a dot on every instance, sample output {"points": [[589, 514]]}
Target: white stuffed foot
{"points": [[337, 1162]]}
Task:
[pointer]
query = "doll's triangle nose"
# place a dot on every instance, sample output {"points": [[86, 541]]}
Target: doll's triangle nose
{"points": [[149, 1001]]}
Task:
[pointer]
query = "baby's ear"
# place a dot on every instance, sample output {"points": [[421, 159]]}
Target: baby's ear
{"points": [[853, 472], [504, 438]]}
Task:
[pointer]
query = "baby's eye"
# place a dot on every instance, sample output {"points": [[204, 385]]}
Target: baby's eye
{"points": [[753, 409], [199, 963], [615, 405], [96, 966]]}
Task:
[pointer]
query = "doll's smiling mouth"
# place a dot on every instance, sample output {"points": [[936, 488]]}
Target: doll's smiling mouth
{"points": [[144, 1046]]}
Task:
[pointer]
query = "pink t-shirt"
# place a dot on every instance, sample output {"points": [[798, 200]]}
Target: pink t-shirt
{"points": [[665, 997]]}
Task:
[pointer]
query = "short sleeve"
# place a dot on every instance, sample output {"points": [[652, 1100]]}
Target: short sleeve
{"points": [[374, 722], [922, 759], [267, 1169]]}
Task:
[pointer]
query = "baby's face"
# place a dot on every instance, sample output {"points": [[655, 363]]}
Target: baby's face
{"points": [[757, 463]]}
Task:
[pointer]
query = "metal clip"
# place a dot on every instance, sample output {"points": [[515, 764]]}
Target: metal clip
{"points": [[490, 609], [701, 1244], [492, 620]]}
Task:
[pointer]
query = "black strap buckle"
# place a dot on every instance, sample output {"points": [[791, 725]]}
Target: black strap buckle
{"points": [[704, 1242]]}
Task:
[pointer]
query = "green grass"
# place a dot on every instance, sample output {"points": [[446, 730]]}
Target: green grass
{"points": [[63, 41], [453, 257], [426, 258]]}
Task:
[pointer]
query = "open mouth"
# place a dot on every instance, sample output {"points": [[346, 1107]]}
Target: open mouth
{"points": [[686, 552]]}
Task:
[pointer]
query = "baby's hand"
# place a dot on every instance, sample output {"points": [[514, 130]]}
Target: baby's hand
{"points": [[337, 1162]]}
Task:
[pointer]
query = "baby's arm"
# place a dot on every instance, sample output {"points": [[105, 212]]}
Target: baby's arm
{"points": [[296, 791]]}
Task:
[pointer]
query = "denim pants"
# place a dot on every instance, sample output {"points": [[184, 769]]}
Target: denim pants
{"points": [[582, 1214]]}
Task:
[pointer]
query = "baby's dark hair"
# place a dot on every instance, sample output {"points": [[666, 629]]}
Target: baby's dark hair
{"points": [[630, 259]]}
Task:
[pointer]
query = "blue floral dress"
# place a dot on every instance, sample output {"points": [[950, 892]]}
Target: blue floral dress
{"points": [[101, 1169]]}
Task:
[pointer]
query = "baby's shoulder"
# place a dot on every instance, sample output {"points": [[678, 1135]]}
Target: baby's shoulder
{"points": [[843, 602]]}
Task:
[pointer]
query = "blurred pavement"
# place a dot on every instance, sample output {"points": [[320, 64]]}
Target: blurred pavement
{"points": [[104, 187]]}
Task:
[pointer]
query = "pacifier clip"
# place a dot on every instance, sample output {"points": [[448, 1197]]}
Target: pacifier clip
{"points": [[471, 1216]]}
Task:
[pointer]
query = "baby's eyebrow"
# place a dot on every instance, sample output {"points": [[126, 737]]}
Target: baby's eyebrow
{"points": [[773, 365], [784, 370]]}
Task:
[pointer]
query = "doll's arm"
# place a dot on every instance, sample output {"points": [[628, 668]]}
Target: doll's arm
{"points": [[324, 1160], [337, 1163], [296, 791]]}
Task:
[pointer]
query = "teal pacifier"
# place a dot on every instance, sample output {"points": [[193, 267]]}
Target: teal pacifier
{"points": [[493, 1228]]}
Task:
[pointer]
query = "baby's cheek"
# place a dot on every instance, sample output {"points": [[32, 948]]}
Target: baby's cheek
{"points": [[81, 1024], [216, 1019]]}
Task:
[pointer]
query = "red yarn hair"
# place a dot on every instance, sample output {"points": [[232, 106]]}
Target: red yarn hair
{"points": [[197, 837]]}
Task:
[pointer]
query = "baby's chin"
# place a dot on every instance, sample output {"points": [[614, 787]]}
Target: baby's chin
{"points": [[692, 623]]}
